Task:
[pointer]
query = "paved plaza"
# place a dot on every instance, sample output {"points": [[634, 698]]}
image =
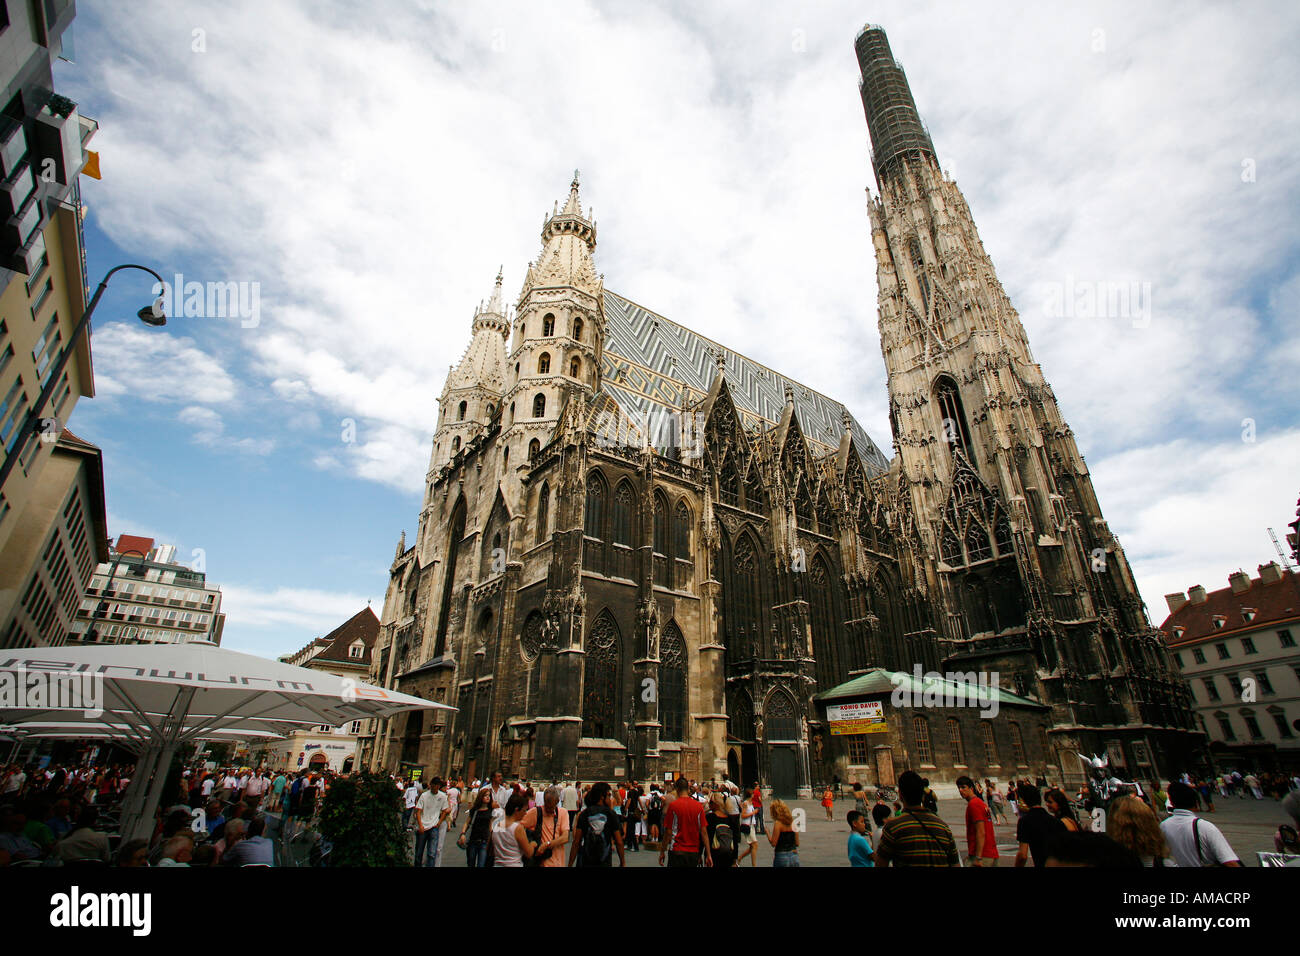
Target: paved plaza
{"points": [[1247, 824]]}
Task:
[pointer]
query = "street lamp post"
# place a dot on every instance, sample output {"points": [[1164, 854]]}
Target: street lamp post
{"points": [[150, 315]]}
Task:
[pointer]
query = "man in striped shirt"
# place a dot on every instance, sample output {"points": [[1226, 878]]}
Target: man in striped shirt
{"points": [[916, 837]]}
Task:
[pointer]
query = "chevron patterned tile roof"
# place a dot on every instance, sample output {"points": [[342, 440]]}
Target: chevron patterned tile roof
{"points": [[649, 360]]}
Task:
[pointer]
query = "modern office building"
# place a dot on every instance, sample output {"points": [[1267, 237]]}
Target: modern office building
{"points": [[142, 595], [1239, 650]]}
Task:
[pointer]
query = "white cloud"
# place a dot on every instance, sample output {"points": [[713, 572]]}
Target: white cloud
{"points": [[1190, 512], [294, 611], [157, 366], [209, 430]]}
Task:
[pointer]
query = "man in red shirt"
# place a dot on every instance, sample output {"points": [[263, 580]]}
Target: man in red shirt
{"points": [[980, 841], [684, 827]]}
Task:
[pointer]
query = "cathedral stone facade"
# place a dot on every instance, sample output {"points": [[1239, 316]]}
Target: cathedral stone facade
{"points": [[641, 554]]}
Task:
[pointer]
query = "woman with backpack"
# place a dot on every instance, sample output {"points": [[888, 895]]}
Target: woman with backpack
{"points": [[722, 838]]}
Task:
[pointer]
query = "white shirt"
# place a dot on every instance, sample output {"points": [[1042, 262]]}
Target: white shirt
{"points": [[15, 783], [453, 801], [229, 783], [502, 795], [569, 798], [430, 807], [412, 794], [1178, 830]]}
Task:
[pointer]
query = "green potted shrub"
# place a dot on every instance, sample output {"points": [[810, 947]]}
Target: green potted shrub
{"points": [[362, 817]]}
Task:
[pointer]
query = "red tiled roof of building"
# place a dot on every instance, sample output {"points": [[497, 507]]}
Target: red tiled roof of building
{"points": [[362, 626], [1272, 603]]}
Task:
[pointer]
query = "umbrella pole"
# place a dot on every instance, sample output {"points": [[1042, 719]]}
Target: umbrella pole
{"points": [[133, 799], [173, 728]]}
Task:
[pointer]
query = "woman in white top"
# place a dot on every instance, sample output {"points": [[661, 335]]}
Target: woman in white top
{"points": [[749, 832], [510, 844]]}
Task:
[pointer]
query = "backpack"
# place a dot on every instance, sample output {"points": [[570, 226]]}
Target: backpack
{"points": [[596, 842], [656, 803], [724, 841]]}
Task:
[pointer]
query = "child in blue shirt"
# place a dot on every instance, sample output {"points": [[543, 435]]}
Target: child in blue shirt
{"points": [[860, 853]]}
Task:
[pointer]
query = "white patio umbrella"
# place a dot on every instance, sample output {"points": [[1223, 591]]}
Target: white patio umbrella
{"points": [[168, 694]]}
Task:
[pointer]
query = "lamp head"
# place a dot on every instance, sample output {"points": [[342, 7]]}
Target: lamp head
{"points": [[152, 314]]}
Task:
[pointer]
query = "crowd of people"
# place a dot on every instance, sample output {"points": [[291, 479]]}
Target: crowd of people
{"points": [[63, 815]]}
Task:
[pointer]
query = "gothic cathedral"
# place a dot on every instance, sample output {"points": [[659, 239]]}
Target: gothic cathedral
{"points": [[642, 554]]}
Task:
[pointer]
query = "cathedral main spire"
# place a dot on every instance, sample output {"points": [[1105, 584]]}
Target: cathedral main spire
{"points": [[895, 125]]}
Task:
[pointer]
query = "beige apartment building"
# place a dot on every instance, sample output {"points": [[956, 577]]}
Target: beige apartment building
{"points": [[1237, 649], [46, 504], [142, 595]]}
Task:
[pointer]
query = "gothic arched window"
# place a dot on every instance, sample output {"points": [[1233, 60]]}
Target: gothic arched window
{"points": [[682, 531], [600, 679], [977, 543], [460, 414], [952, 425], [577, 328], [921, 731], [543, 363], [781, 717], [543, 512], [548, 325], [743, 597], [990, 745], [950, 547], [505, 456], [672, 684], [575, 367], [1002, 536], [1017, 745], [740, 721], [449, 576], [661, 524], [530, 648], [821, 599], [533, 447], [594, 523], [955, 748], [455, 444], [621, 515], [539, 405]]}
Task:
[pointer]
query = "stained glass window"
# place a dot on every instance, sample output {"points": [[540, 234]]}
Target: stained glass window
{"points": [[781, 717], [595, 519], [672, 684], [622, 515], [600, 679], [543, 513], [682, 531]]}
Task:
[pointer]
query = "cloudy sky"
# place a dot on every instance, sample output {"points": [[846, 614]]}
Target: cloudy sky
{"points": [[367, 175]]}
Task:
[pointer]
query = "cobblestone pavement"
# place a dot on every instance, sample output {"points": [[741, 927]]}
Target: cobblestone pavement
{"points": [[1247, 824]]}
